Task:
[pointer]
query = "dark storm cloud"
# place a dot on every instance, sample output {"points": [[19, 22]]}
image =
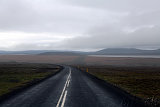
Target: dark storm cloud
{"points": [[79, 24]]}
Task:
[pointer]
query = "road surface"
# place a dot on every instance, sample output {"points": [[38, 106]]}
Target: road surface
{"points": [[71, 88]]}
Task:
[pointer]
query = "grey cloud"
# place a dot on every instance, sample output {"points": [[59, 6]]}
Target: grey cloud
{"points": [[23, 16], [98, 23], [118, 5], [26, 16], [140, 19], [112, 38]]}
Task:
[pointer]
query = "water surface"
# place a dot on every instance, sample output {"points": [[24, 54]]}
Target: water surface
{"points": [[132, 56]]}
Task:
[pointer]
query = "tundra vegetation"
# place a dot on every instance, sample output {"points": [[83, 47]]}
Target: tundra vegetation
{"points": [[143, 82], [17, 75]]}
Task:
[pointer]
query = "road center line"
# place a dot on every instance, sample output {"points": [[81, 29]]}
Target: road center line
{"points": [[68, 83], [64, 99], [64, 94]]}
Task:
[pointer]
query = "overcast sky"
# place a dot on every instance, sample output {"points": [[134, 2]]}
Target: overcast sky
{"points": [[79, 24]]}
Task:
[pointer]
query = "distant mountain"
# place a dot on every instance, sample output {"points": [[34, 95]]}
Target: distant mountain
{"points": [[25, 52], [61, 53], [127, 51], [41, 52], [109, 51]]}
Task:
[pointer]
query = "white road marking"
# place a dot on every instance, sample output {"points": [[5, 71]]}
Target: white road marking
{"points": [[64, 99], [64, 90], [68, 83]]}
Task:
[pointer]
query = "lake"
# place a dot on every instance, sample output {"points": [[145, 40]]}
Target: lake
{"points": [[132, 56]]}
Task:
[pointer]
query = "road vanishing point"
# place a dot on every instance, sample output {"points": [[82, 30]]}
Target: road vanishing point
{"points": [[72, 88]]}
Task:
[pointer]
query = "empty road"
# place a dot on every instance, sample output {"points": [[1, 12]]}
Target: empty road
{"points": [[71, 88]]}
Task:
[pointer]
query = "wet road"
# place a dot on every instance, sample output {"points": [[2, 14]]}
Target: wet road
{"points": [[71, 88]]}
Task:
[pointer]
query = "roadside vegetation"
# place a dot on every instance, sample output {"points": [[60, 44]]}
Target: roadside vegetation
{"points": [[143, 82], [16, 75]]}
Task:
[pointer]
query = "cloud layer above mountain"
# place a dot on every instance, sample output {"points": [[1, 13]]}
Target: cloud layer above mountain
{"points": [[79, 24]]}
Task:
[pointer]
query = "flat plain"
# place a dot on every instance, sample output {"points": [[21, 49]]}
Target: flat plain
{"points": [[82, 60], [138, 76], [142, 82], [17, 75]]}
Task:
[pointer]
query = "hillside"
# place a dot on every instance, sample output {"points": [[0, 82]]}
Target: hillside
{"points": [[127, 51], [108, 51], [60, 53]]}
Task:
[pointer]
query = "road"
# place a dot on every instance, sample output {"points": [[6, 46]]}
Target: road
{"points": [[71, 88]]}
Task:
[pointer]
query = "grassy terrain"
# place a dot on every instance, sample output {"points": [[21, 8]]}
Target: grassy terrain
{"points": [[81, 60], [143, 82], [15, 75]]}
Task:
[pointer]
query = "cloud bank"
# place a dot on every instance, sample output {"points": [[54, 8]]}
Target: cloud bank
{"points": [[79, 24]]}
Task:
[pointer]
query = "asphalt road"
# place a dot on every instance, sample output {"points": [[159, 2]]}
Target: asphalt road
{"points": [[72, 88]]}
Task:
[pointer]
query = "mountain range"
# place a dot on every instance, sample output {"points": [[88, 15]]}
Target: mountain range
{"points": [[127, 51], [108, 51]]}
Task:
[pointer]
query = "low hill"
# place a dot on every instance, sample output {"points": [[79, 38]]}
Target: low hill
{"points": [[109, 51], [127, 51], [24, 52], [60, 53]]}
